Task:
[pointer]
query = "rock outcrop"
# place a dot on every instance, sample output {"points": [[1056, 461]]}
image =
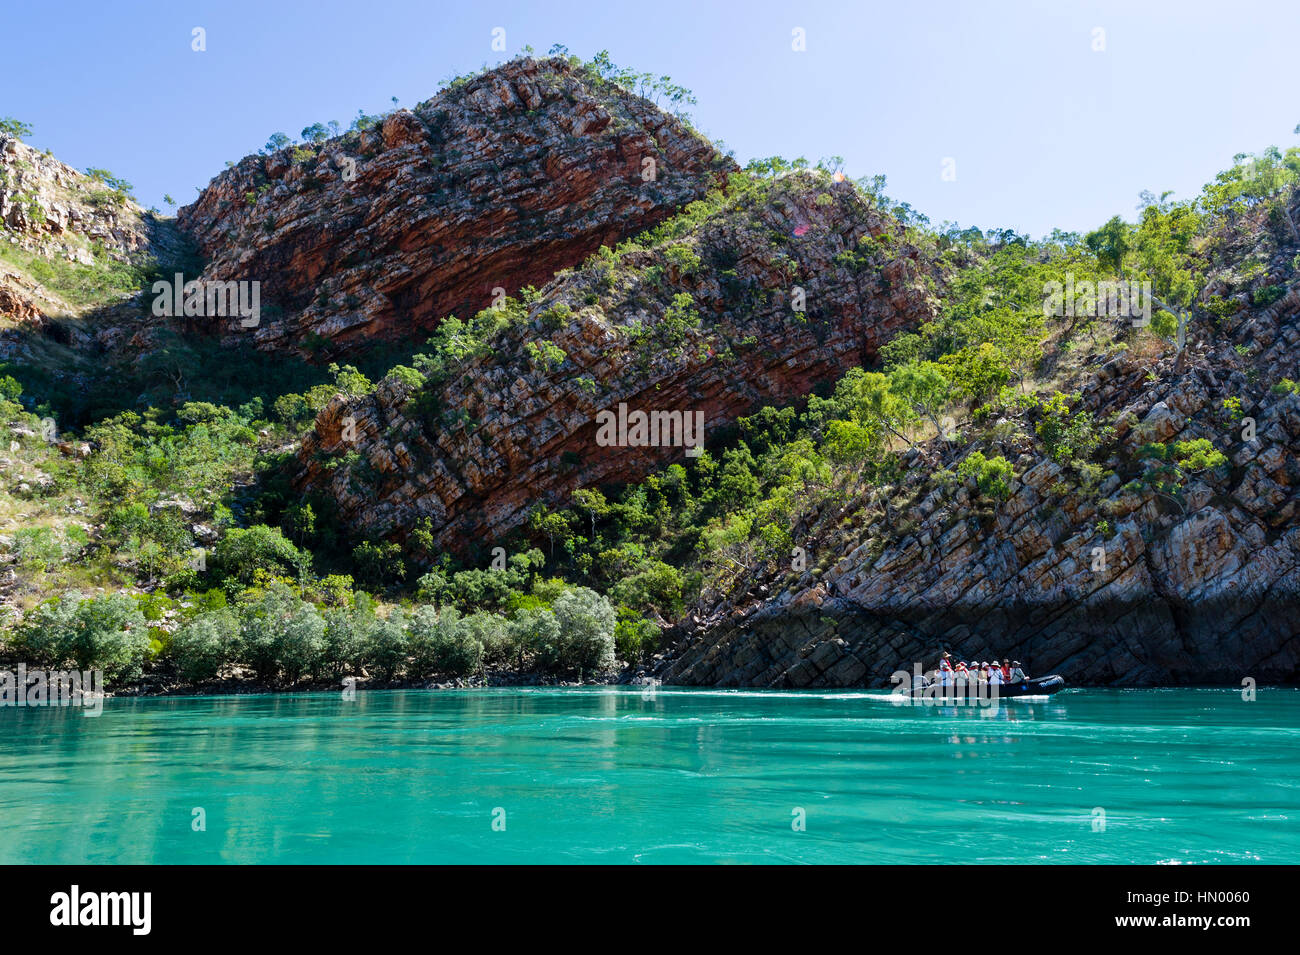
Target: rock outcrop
{"points": [[494, 184], [1118, 585], [49, 208], [17, 299], [50, 211], [752, 304]]}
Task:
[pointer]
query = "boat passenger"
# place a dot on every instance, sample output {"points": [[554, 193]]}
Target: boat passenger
{"points": [[1006, 671], [945, 671], [995, 674], [1017, 674], [982, 675], [961, 674]]}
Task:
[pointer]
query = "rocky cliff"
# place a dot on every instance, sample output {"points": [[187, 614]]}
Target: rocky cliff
{"points": [[496, 183], [50, 212], [601, 258], [1118, 584], [752, 304], [50, 208]]}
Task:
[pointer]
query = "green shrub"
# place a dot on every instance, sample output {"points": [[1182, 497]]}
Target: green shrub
{"points": [[433, 588], [586, 621], [533, 631], [203, 645], [1198, 455], [1267, 295], [1067, 434], [546, 354], [14, 127], [243, 552], [659, 587], [37, 548], [379, 563], [282, 634], [347, 638], [685, 259], [558, 315], [105, 632], [634, 636], [489, 631], [441, 643], [407, 376], [992, 475], [387, 647], [302, 644]]}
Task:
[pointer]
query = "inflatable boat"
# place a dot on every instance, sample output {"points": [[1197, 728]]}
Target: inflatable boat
{"points": [[1034, 686]]}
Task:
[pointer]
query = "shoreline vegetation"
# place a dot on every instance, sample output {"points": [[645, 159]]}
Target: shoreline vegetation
{"points": [[149, 526]]}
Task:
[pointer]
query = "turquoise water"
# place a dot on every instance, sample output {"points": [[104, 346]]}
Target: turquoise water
{"points": [[616, 775]]}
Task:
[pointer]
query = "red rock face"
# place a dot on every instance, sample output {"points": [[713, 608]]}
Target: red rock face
{"points": [[15, 303], [702, 323], [496, 184]]}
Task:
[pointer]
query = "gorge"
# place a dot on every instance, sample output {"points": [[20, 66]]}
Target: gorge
{"points": [[419, 464]]}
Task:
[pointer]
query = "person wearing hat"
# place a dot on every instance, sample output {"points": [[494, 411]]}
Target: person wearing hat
{"points": [[1006, 671], [1017, 674], [995, 674], [961, 674], [945, 670], [982, 673]]}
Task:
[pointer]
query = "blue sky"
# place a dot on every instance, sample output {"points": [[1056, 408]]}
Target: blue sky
{"points": [[1044, 130]]}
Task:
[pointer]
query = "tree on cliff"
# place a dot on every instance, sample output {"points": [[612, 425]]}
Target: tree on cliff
{"points": [[1162, 247], [922, 385], [1159, 250], [14, 128], [277, 142], [1163, 250]]}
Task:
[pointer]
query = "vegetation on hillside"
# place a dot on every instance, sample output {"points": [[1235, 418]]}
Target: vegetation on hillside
{"points": [[149, 528]]}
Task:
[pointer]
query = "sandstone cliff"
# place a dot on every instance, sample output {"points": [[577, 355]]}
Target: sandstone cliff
{"points": [[496, 183], [1118, 584], [745, 292], [701, 320]]}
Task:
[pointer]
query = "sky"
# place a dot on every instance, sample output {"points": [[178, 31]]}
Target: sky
{"points": [[1023, 115]]}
